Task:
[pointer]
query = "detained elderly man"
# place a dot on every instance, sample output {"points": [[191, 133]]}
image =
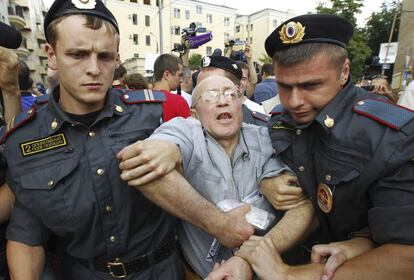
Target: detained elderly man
{"points": [[223, 158]]}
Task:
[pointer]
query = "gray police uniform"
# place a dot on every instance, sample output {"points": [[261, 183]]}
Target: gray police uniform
{"points": [[66, 179], [360, 152], [253, 117]]}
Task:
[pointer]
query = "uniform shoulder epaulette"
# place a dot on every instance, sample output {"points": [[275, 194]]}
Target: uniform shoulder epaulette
{"points": [[43, 99], [19, 121], [277, 110], [260, 116], [142, 96], [385, 112]]}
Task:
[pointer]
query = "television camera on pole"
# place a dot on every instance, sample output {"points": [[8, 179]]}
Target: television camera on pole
{"points": [[190, 39]]}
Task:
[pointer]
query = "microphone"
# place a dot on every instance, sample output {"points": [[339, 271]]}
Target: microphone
{"points": [[10, 37]]}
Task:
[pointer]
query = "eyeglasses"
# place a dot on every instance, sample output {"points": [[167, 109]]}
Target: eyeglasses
{"points": [[213, 96]]}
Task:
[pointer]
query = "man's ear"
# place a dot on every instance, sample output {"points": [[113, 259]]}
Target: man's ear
{"points": [[51, 57], [345, 72]]}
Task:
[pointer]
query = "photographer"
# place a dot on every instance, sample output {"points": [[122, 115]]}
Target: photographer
{"points": [[245, 57]]}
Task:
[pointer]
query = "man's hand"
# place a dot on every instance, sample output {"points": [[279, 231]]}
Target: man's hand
{"points": [[248, 52], [145, 161], [283, 191], [233, 269], [333, 255], [9, 70], [235, 228], [261, 254]]}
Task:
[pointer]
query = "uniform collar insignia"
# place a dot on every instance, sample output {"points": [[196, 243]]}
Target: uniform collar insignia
{"points": [[292, 33], [84, 4], [282, 125]]}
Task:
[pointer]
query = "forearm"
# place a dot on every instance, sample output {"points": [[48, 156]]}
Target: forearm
{"points": [[391, 261], [175, 195], [25, 262], [12, 105], [6, 202], [293, 227]]}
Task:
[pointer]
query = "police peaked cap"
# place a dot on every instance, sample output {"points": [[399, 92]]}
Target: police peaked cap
{"points": [[311, 28], [75, 7], [222, 62]]}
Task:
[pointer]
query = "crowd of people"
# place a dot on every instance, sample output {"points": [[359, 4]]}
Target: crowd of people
{"points": [[203, 173]]}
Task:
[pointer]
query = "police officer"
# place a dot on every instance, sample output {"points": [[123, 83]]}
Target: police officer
{"points": [[63, 167], [352, 150]]}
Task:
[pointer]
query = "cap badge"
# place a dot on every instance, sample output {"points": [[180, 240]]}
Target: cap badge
{"points": [[206, 61], [234, 66], [292, 33], [84, 4]]}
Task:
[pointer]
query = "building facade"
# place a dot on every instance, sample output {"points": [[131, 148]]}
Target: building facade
{"points": [[27, 16], [405, 53], [255, 28]]}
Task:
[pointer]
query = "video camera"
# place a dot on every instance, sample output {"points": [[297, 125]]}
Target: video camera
{"points": [[190, 39]]}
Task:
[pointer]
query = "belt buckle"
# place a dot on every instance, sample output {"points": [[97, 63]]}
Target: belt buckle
{"points": [[121, 266]]}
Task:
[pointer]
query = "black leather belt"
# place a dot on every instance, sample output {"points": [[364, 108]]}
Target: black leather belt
{"points": [[119, 269]]}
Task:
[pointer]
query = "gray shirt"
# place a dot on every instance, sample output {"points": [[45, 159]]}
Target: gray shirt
{"points": [[217, 177]]}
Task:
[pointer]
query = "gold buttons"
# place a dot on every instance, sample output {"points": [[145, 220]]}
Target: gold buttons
{"points": [[50, 183], [91, 133], [329, 122], [54, 124], [112, 238], [360, 103], [298, 132], [119, 109], [100, 171], [301, 168], [108, 208], [126, 96], [328, 177]]}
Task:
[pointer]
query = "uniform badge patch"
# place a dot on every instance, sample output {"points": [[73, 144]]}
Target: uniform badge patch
{"points": [[43, 145], [325, 198]]}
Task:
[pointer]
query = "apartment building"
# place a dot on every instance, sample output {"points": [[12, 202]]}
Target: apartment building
{"points": [[142, 39], [3, 11], [27, 16], [405, 52], [255, 28]]}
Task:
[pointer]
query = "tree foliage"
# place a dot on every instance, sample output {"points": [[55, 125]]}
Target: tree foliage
{"points": [[358, 49], [378, 27], [194, 61]]}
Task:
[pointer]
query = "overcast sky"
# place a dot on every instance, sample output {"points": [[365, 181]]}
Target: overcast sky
{"points": [[298, 6]]}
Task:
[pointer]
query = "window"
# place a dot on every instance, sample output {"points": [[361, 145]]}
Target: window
{"points": [[147, 2], [147, 20], [274, 23], [226, 35], [199, 9], [148, 40], [134, 19], [251, 27], [177, 13], [199, 24], [133, 1], [135, 39], [187, 14], [208, 51], [237, 28], [251, 40], [136, 55], [226, 21], [209, 18], [247, 27]]}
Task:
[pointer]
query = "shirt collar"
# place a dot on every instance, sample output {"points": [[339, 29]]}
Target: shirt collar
{"points": [[57, 117]]}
